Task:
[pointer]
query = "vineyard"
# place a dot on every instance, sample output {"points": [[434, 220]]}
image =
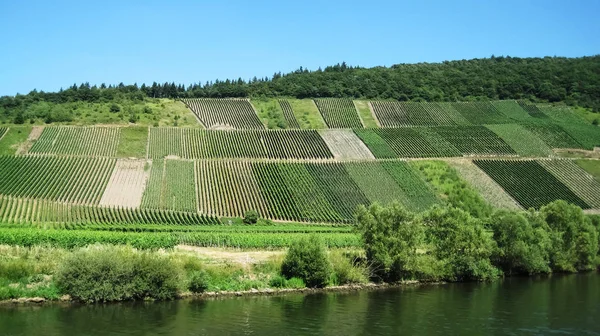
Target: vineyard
{"points": [[247, 144], [162, 186], [532, 185], [84, 141], [67, 179], [232, 113], [288, 113], [339, 113]]}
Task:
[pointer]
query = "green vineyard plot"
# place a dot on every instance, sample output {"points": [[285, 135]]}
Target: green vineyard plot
{"points": [[67, 179], [171, 186], [233, 113], [378, 147], [248, 144], [418, 194], [85, 141], [578, 180], [397, 114], [3, 131], [479, 113], [512, 110], [585, 134], [553, 135], [339, 113], [529, 183], [474, 140], [407, 142], [521, 140]]}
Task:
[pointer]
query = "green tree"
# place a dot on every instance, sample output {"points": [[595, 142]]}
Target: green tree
{"points": [[521, 247], [307, 259], [460, 243], [391, 237], [574, 238]]}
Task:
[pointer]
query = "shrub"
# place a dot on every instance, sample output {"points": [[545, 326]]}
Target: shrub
{"points": [[198, 282], [277, 281], [115, 273], [345, 271], [307, 260], [295, 283], [250, 217], [15, 269], [114, 108]]}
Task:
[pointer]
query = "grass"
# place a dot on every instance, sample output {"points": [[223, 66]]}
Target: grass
{"points": [[590, 166], [13, 138], [307, 114], [586, 114], [365, 113], [269, 112], [132, 142]]}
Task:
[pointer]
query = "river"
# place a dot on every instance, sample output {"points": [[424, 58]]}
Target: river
{"points": [[568, 304]]}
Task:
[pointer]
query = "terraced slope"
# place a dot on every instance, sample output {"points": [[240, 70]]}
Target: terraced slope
{"points": [[339, 113], [84, 141], [529, 183], [3, 131], [228, 113], [248, 144], [553, 135]]}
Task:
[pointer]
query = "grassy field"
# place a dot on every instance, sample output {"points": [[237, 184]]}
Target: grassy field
{"points": [[133, 142], [307, 114], [13, 138], [590, 166], [270, 113], [365, 114]]}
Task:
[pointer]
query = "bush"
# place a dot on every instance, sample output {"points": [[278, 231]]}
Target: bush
{"points": [[307, 260], [250, 217], [16, 269], [198, 282], [114, 273], [277, 281], [114, 108], [345, 271]]}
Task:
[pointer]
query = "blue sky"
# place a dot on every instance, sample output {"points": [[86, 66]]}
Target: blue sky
{"points": [[52, 44]]}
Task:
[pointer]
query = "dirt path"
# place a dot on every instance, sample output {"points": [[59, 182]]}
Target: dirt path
{"points": [[244, 258], [35, 134], [127, 184]]}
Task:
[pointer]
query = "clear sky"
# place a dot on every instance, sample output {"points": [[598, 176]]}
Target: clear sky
{"points": [[52, 44]]}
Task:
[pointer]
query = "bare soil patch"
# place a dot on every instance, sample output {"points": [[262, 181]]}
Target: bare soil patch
{"points": [[35, 134], [127, 184], [345, 145]]}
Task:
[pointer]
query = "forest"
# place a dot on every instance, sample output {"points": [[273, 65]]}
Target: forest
{"points": [[574, 81]]}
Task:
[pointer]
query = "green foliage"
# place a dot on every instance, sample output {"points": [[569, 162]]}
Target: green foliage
{"points": [[346, 271], [460, 243], [307, 259], [339, 113], [453, 188], [132, 142], [574, 237], [114, 108], [391, 237], [102, 274], [198, 282], [521, 246], [250, 217]]}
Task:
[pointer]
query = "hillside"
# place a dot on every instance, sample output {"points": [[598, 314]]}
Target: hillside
{"points": [[181, 182], [571, 81]]}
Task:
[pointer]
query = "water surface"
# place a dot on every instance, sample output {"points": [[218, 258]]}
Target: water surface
{"points": [[564, 305]]}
